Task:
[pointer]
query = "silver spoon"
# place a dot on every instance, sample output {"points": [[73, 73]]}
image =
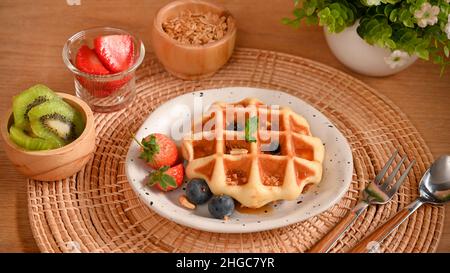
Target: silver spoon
{"points": [[434, 188]]}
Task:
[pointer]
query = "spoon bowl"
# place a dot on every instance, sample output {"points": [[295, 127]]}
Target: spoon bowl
{"points": [[434, 186]]}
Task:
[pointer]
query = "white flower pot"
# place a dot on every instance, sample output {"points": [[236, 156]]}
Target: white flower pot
{"points": [[361, 57]]}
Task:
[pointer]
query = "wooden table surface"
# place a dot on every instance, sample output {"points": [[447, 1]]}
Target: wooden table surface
{"points": [[32, 35]]}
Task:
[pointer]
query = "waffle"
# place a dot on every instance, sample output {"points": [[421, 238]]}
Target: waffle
{"points": [[283, 159]]}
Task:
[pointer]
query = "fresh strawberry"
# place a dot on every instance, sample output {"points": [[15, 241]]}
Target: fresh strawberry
{"points": [[87, 61], [116, 52], [158, 150], [167, 179]]}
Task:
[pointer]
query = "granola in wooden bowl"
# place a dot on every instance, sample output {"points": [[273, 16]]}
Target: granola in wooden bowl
{"points": [[193, 39]]}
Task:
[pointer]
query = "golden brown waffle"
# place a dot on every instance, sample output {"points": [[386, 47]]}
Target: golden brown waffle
{"points": [[282, 160]]}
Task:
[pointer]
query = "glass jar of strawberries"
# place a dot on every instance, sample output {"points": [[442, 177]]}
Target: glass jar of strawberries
{"points": [[104, 61]]}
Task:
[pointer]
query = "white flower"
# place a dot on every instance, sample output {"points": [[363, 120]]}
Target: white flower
{"points": [[397, 59], [374, 2], [447, 27], [427, 15]]}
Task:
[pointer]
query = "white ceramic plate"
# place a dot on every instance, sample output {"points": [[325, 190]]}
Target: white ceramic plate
{"points": [[337, 171]]}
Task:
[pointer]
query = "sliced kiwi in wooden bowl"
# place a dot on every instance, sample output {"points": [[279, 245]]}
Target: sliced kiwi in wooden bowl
{"points": [[48, 136], [43, 121]]}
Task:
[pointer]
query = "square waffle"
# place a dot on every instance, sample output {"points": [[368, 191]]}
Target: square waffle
{"points": [[277, 165]]}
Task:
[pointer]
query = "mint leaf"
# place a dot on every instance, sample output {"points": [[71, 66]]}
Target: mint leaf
{"points": [[251, 127]]}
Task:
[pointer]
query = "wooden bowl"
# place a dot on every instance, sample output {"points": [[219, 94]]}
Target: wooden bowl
{"points": [[56, 164], [187, 61]]}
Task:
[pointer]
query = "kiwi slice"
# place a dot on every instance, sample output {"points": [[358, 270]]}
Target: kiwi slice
{"points": [[56, 120], [28, 99], [27, 142]]}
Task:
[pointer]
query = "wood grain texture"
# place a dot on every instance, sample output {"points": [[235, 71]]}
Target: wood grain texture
{"points": [[31, 41]]}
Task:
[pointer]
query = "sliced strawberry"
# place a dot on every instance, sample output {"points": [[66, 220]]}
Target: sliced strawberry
{"points": [[116, 52], [158, 150], [87, 61], [112, 86], [167, 179]]}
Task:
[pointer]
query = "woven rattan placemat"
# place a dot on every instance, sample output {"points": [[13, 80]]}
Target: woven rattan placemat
{"points": [[97, 211]]}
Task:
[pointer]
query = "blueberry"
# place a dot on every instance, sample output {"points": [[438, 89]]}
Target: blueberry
{"points": [[197, 191], [220, 206], [234, 126]]}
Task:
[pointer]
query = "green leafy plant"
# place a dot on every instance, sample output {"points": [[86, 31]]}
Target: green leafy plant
{"points": [[416, 27]]}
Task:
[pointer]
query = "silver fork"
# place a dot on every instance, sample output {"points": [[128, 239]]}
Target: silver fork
{"points": [[377, 192]]}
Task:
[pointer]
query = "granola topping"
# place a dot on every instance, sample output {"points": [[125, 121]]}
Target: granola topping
{"points": [[197, 28]]}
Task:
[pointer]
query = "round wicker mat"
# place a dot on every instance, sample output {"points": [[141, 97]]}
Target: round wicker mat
{"points": [[97, 211]]}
